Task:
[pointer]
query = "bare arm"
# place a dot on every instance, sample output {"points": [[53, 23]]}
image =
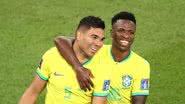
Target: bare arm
{"points": [[99, 100], [64, 46], [31, 94], [139, 99]]}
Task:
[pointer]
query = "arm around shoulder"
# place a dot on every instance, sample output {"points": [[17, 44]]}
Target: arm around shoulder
{"points": [[64, 46]]}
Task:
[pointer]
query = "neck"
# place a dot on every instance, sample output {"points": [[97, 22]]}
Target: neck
{"points": [[119, 55], [79, 53]]}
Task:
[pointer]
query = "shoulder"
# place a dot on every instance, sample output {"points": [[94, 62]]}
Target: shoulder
{"points": [[141, 65], [105, 49], [52, 52], [139, 59], [52, 57], [106, 46]]}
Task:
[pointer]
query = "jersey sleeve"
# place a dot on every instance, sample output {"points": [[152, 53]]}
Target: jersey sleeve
{"points": [[101, 82], [103, 74], [141, 80], [43, 68]]}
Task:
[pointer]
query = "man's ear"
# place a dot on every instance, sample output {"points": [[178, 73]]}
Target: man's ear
{"points": [[78, 35]]}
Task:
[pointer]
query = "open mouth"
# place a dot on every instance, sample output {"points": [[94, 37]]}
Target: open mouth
{"points": [[94, 49], [124, 42]]}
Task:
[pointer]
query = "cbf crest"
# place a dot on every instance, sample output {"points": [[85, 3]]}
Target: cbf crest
{"points": [[126, 81]]}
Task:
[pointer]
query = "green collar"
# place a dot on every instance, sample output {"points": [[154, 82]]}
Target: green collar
{"points": [[124, 60], [87, 62]]}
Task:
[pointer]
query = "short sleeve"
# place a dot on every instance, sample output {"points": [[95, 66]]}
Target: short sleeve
{"points": [[43, 68], [102, 81], [141, 80]]}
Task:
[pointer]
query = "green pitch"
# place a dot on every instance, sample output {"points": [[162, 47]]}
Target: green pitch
{"points": [[28, 27]]}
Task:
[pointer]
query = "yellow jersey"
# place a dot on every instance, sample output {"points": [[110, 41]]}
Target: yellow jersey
{"points": [[62, 85], [130, 77]]}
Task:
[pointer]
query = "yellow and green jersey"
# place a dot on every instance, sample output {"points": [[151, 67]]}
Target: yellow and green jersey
{"points": [[62, 85], [130, 77]]}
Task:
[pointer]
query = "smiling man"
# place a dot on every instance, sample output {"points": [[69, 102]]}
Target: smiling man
{"points": [[131, 73], [59, 78]]}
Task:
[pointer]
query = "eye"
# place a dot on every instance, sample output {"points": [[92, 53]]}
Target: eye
{"points": [[94, 36], [121, 30], [131, 32], [103, 39]]}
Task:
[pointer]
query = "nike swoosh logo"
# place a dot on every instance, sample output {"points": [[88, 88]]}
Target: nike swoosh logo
{"points": [[57, 74]]}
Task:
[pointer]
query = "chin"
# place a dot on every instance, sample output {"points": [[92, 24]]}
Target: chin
{"points": [[123, 48], [90, 55]]}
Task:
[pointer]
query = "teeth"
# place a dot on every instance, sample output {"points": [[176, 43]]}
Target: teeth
{"points": [[123, 42], [94, 49]]}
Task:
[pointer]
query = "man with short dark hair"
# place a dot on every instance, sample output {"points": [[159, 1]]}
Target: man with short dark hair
{"points": [[131, 73], [59, 78]]}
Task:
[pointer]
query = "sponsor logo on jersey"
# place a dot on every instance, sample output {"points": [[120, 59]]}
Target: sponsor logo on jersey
{"points": [[57, 74], [144, 84], [106, 85], [126, 81]]}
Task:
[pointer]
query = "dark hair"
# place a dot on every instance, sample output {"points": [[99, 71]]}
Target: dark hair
{"points": [[91, 21], [123, 15]]}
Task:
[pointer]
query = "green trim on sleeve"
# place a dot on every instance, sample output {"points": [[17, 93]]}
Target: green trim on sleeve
{"points": [[41, 76], [100, 94], [140, 94]]}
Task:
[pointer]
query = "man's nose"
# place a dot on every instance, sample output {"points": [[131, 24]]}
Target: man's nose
{"points": [[126, 34]]}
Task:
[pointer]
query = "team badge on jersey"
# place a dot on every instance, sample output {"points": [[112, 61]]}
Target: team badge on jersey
{"points": [[106, 85], [144, 84], [126, 81]]}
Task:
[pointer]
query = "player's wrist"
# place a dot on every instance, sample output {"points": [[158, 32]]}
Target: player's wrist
{"points": [[78, 68]]}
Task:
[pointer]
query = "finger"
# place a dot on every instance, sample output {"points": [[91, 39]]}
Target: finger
{"points": [[83, 86], [88, 85], [91, 83]]}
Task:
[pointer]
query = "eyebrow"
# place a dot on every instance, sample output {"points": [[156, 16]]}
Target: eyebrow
{"points": [[98, 36]]}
